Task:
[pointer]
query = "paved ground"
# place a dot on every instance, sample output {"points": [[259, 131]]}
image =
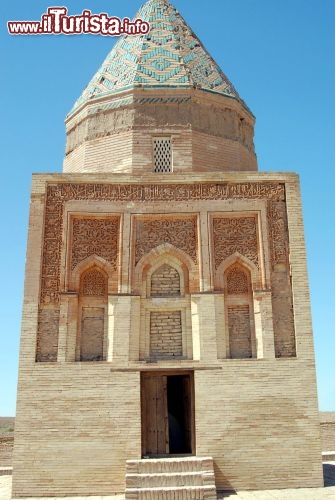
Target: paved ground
{"points": [[327, 493]]}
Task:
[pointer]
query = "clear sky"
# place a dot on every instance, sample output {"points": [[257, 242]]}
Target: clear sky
{"points": [[279, 56]]}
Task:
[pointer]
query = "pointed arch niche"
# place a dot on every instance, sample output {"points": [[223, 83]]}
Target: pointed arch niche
{"points": [[85, 307], [239, 314], [248, 325], [91, 344], [162, 279]]}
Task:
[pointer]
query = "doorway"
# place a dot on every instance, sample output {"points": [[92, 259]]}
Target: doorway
{"points": [[167, 414]]}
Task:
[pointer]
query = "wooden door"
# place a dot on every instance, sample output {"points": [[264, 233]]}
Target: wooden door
{"points": [[155, 437]]}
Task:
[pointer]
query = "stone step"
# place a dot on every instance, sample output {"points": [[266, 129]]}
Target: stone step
{"points": [[183, 478], [198, 478], [170, 465], [172, 493]]}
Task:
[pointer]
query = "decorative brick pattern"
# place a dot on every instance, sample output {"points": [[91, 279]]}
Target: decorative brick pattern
{"points": [[94, 283], [235, 234], [95, 237], [278, 232], [162, 154], [239, 331], [170, 54], [165, 282], [179, 232], [237, 281], [282, 300], [59, 193], [165, 334]]}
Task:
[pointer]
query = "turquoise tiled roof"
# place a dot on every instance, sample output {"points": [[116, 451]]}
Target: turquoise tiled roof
{"points": [[170, 55]]}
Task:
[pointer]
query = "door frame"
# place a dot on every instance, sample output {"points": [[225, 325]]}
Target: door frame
{"points": [[167, 373]]}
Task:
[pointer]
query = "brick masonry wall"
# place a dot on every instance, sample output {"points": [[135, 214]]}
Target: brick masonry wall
{"points": [[239, 331], [80, 429], [92, 334], [47, 344], [327, 420], [165, 282], [165, 334], [245, 406], [220, 153], [206, 130]]}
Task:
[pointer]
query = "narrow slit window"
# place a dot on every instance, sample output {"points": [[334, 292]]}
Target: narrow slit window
{"points": [[162, 154]]}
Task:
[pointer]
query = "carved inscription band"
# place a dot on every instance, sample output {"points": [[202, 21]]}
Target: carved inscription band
{"points": [[165, 192]]}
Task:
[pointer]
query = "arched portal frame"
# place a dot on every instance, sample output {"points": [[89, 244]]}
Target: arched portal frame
{"points": [[238, 339], [174, 312]]}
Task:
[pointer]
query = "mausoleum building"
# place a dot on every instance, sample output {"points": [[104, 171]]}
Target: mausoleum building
{"points": [[167, 346]]}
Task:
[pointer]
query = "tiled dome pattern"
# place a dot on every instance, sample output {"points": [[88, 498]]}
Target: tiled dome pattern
{"points": [[170, 55]]}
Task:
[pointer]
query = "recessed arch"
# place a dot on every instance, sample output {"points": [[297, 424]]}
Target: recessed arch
{"points": [[165, 319], [237, 259], [165, 254], [89, 263], [236, 282]]}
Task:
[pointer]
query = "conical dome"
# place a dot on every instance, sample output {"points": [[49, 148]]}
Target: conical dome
{"points": [[169, 55], [159, 103]]}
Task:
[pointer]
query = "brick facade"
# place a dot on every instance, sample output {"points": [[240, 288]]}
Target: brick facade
{"points": [[195, 312]]}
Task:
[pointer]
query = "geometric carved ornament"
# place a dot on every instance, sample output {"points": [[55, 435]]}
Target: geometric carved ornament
{"points": [[59, 193], [95, 237], [237, 281], [235, 235], [277, 219], [181, 233], [93, 283]]}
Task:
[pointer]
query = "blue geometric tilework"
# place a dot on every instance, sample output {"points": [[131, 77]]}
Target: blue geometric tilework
{"points": [[169, 55]]}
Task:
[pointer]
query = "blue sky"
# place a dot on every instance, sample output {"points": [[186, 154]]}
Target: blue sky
{"points": [[280, 58]]}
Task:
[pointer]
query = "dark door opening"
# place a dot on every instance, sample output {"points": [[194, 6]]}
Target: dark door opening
{"points": [[167, 414], [178, 403]]}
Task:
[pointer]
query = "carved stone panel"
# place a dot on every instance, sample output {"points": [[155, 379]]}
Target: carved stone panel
{"points": [[282, 300], [58, 194], [181, 233], [95, 237], [94, 283], [237, 281], [277, 219], [235, 234]]}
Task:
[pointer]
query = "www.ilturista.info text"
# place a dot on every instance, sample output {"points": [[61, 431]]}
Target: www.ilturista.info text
{"points": [[56, 22]]}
